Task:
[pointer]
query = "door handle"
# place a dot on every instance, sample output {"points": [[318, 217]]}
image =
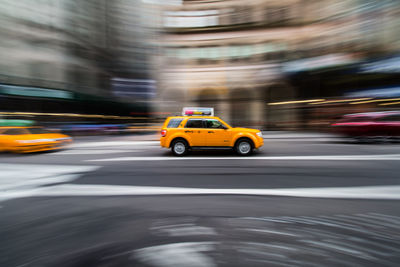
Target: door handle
{"points": [[188, 131], [210, 132]]}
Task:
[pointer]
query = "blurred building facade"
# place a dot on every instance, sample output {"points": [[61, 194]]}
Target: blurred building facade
{"points": [[243, 58], [131, 34], [63, 53]]}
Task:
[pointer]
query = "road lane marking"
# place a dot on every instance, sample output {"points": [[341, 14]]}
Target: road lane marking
{"points": [[177, 254], [359, 192], [115, 143], [20, 178], [316, 157], [303, 139], [93, 152]]}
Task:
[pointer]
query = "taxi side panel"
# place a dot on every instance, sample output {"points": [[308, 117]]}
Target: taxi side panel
{"points": [[174, 133], [194, 136], [165, 141], [10, 143], [5, 143], [218, 137]]}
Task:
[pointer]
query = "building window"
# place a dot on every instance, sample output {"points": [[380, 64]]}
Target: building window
{"points": [[241, 15], [276, 15], [191, 19]]}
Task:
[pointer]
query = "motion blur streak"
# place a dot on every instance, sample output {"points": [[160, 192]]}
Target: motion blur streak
{"points": [[108, 158]]}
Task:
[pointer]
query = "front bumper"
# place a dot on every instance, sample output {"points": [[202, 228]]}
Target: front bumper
{"points": [[260, 142], [31, 148]]}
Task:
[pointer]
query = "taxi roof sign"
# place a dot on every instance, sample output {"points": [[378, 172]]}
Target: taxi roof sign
{"points": [[196, 111]]}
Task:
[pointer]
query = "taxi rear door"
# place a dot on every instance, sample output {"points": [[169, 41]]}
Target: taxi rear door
{"points": [[9, 136], [195, 132]]}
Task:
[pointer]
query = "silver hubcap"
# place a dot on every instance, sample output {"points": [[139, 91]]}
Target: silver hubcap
{"points": [[179, 148], [244, 147]]}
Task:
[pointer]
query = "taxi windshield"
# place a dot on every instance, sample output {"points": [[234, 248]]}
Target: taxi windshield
{"points": [[37, 130]]}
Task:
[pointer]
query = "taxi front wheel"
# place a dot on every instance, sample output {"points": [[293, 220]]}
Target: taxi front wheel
{"points": [[179, 147], [244, 147]]}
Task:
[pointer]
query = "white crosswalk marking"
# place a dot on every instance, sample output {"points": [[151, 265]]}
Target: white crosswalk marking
{"points": [[17, 178], [360, 192]]}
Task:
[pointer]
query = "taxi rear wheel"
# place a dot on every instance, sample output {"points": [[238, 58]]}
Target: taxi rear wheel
{"points": [[179, 147], [244, 147]]}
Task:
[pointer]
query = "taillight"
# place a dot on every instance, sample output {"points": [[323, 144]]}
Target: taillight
{"points": [[163, 133]]}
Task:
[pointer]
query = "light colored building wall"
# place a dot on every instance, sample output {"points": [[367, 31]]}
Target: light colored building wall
{"points": [[53, 44], [226, 58]]}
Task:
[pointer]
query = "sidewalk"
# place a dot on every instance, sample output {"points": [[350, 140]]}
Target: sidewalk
{"points": [[295, 135], [124, 137], [267, 135]]}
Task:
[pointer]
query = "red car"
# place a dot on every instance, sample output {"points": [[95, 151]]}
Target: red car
{"points": [[370, 125]]}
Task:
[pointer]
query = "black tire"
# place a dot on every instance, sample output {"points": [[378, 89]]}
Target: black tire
{"points": [[179, 147], [368, 139], [244, 147]]}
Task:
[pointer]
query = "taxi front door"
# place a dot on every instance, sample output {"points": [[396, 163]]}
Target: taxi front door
{"points": [[217, 134]]}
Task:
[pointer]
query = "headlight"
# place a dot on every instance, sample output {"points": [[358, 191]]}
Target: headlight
{"points": [[259, 134]]}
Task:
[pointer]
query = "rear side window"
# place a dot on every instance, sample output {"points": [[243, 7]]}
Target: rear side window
{"points": [[194, 123], [174, 123], [393, 118], [355, 119], [38, 131], [15, 132]]}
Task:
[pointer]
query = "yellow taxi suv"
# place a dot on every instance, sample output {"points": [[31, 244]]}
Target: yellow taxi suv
{"points": [[198, 128], [31, 139]]}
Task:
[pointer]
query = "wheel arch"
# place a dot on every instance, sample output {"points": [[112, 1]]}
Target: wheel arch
{"points": [[244, 136], [177, 138]]}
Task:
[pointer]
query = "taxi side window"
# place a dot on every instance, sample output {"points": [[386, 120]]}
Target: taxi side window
{"points": [[391, 118], [215, 124], [396, 118], [14, 132], [355, 119], [174, 123], [194, 123]]}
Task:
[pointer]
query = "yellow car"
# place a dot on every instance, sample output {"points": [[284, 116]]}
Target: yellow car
{"points": [[195, 130], [30, 139]]}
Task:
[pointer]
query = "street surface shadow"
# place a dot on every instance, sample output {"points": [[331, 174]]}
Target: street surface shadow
{"points": [[352, 141], [214, 153], [16, 155]]}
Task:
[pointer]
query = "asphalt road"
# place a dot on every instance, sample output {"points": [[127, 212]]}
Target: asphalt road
{"points": [[123, 201]]}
